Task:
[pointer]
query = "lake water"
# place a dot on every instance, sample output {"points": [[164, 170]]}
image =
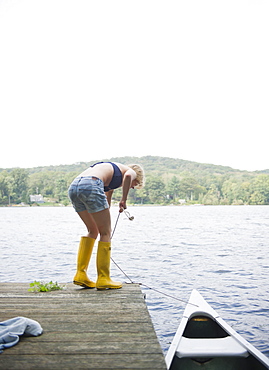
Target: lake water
{"points": [[222, 251]]}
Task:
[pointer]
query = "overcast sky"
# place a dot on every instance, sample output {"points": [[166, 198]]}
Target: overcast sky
{"points": [[82, 80]]}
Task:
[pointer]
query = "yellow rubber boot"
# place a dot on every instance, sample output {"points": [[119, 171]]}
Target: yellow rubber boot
{"points": [[103, 268], [84, 254]]}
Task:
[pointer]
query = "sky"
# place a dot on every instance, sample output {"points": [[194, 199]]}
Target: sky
{"points": [[84, 80]]}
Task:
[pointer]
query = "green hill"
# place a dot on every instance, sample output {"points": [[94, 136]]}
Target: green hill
{"points": [[168, 180], [152, 164]]}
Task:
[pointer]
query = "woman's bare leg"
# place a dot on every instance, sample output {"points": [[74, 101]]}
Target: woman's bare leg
{"points": [[89, 223], [97, 223], [103, 222]]}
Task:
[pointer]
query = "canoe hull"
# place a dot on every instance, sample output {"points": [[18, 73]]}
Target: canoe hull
{"points": [[204, 340]]}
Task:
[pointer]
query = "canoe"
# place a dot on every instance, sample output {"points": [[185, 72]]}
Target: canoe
{"points": [[205, 341]]}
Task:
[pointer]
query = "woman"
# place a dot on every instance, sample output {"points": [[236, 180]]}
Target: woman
{"points": [[90, 194]]}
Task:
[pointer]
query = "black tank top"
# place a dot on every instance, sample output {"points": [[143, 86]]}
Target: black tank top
{"points": [[116, 180]]}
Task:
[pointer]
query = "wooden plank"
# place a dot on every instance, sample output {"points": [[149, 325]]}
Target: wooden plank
{"points": [[66, 347], [77, 361], [83, 328]]}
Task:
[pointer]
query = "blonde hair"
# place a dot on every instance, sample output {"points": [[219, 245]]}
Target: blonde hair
{"points": [[140, 177]]}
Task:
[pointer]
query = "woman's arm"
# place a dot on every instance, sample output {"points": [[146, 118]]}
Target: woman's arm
{"points": [[128, 178]]}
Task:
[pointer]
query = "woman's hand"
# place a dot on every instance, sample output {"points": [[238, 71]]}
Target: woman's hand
{"points": [[122, 205]]}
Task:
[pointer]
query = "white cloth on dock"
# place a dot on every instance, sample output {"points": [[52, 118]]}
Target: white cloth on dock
{"points": [[11, 329]]}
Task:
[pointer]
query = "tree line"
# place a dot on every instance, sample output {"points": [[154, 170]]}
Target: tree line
{"points": [[168, 181]]}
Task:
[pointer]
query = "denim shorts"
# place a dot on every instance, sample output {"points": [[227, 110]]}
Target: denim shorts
{"points": [[87, 193]]}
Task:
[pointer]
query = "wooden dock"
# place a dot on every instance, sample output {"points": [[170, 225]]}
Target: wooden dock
{"points": [[83, 329]]}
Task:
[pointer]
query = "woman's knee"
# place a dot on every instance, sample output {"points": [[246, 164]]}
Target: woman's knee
{"points": [[105, 234], [93, 234]]}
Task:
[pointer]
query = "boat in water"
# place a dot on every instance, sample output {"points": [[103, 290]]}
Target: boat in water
{"points": [[205, 341]]}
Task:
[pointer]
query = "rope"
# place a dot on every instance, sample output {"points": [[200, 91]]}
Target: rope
{"points": [[122, 271], [168, 295], [142, 284], [115, 225]]}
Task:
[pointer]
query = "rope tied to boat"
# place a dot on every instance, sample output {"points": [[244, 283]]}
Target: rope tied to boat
{"points": [[131, 218]]}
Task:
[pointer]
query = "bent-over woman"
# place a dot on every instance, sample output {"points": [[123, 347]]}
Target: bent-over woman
{"points": [[91, 194]]}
